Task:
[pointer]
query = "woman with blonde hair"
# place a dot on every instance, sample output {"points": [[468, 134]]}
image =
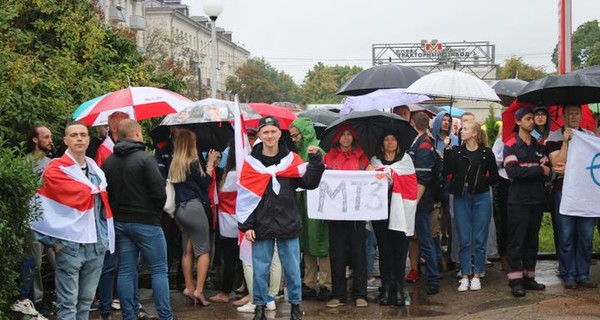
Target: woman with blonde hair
{"points": [[191, 183], [473, 169]]}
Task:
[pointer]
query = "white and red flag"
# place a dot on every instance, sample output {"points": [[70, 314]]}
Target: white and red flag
{"points": [[403, 206], [67, 200], [255, 177], [227, 221]]}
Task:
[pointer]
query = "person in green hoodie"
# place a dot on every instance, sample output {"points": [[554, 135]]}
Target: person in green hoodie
{"points": [[314, 240]]}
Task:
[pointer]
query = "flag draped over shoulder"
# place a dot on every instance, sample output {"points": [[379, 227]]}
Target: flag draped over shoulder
{"points": [[255, 177], [227, 220], [403, 204], [67, 202], [581, 186]]}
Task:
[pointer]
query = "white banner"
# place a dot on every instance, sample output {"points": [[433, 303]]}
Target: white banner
{"points": [[581, 188], [349, 195]]}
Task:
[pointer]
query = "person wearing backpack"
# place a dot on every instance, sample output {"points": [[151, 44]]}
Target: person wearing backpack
{"points": [[423, 155], [473, 169]]}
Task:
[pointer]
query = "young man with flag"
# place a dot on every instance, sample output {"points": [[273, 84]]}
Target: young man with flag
{"points": [[76, 222], [267, 210]]}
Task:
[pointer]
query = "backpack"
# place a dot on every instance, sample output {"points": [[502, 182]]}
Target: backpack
{"points": [[439, 180]]}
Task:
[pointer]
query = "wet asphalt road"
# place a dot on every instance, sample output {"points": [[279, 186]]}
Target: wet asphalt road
{"points": [[493, 301]]}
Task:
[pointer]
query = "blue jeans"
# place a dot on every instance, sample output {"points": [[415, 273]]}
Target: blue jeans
{"points": [[26, 278], [289, 255], [371, 243], [77, 273], [575, 235], [133, 238], [472, 213], [426, 243]]}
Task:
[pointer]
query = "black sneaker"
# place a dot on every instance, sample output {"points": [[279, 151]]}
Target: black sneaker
{"points": [[586, 283], [143, 315], [433, 288], [308, 293], [531, 284], [324, 294], [517, 289]]}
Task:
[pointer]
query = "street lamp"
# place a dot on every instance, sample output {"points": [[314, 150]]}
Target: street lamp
{"points": [[213, 9]]}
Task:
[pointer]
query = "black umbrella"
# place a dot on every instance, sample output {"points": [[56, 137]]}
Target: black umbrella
{"points": [[387, 76], [322, 116], [210, 135], [370, 127], [508, 89], [573, 88]]}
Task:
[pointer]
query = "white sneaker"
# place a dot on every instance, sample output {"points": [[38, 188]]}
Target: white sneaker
{"points": [[24, 307], [463, 285], [475, 284], [247, 308], [271, 305]]}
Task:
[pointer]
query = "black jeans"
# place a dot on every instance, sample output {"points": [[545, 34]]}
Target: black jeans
{"points": [[347, 239], [230, 253], [393, 249], [522, 248]]}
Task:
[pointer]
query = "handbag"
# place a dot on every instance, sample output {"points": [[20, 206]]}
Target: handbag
{"points": [[170, 204]]}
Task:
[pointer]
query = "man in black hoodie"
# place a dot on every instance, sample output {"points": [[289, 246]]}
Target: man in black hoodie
{"points": [[136, 192]]}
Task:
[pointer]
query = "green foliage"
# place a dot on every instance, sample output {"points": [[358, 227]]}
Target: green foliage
{"points": [[19, 183], [322, 82], [258, 81], [515, 68], [492, 128], [585, 46], [56, 54]]}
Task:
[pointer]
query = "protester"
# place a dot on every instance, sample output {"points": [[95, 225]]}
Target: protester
{"points": [[106, 148], [392, 233], [39, 144], [191, 184], [575, 234], [526, 163], [403, 111], [314, 241], [268, 213], [541, 130], [74, 187], [137, 196], [422, 153], [347, 238], [472, 166]]}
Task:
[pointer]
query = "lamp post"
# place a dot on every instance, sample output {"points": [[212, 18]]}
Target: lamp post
{"points": [[213, 9]]}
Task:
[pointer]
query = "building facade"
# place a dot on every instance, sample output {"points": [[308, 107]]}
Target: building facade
{"points": [[126, 14], [192, 35]]}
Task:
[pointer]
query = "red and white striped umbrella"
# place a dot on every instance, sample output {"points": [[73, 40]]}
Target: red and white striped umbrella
{"points": [[139, 102]]}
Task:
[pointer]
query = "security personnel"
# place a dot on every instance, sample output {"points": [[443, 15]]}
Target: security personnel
{"points": [[525, 160]]}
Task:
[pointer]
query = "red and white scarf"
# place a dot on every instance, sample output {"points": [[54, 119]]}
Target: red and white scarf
{"points": [[255, 178], [227, 220], [67, 200], [403, 205]]}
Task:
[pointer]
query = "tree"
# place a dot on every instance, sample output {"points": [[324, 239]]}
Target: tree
{"points": [[322, 82], [56, 54], [258, 81], [514, 67], [585, 45]]}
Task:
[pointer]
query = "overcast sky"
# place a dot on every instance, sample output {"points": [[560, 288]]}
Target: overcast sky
{"points": [[293, 35]]}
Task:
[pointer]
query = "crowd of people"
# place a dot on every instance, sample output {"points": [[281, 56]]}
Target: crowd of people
{"points": [[102, 214]]}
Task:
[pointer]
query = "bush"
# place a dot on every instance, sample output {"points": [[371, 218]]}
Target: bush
{"points": [[19, 183]]}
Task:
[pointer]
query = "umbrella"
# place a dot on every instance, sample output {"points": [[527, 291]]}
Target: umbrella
{"points": [[370, 127], [284, 115], [573, 88], [211, 120], [139, 102], [387, 76], [508, 89], [454, 111], [380, 99], [455, 85], [321, 118]]}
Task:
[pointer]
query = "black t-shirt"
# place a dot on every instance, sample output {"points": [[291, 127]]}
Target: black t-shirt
{"points": [[473, 157]]}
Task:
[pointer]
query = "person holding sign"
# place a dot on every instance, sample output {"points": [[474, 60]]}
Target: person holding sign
{"points": [[267, 211], [347, 237], [392, 233]]}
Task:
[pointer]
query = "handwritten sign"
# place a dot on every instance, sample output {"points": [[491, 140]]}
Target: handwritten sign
{"points": [[349, 195]]}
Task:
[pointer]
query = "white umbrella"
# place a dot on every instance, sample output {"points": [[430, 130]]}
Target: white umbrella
{"points": [[380, 99], [455, 85]]}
